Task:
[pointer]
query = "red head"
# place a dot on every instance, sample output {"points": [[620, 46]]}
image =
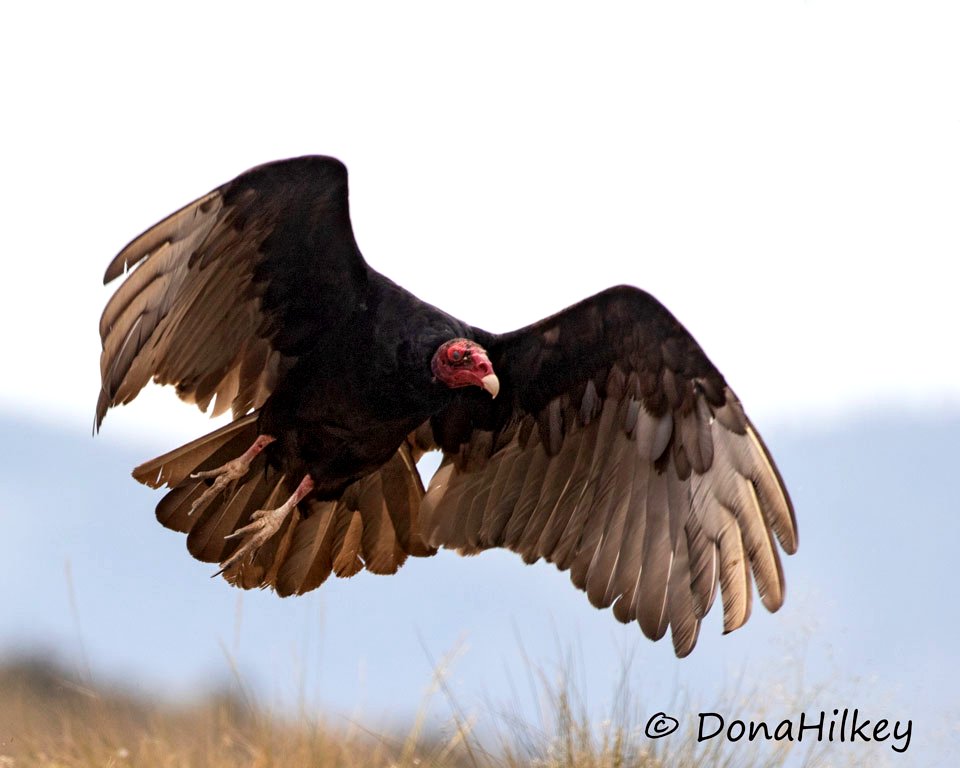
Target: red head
{"points": [[461, 363]]}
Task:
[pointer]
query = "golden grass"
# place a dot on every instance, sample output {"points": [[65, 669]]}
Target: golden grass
{"points": [[49, 719]]}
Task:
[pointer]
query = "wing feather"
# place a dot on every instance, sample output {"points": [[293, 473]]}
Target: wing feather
{"points": [[555, 482], [601, 575], [529, 496], [650, 600], [630, 563], [213, 301], [627, 460], [567, 546], [569, 498]]}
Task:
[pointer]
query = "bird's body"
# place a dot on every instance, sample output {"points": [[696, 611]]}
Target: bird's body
{"points": [[346, 406], [601, 438]]}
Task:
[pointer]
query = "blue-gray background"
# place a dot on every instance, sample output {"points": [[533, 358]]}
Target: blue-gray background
{"points": [[870, 619]]}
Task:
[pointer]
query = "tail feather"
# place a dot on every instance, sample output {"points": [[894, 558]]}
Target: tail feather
{"points": [[374, 525], [250, 574], [205, 452], [175, 510], [207, 541]]}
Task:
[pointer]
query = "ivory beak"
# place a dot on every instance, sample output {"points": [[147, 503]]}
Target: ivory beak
{"points": [[491, 383]]}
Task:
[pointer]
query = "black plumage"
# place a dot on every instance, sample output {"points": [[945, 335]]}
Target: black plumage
{"points": [[613, 447]]}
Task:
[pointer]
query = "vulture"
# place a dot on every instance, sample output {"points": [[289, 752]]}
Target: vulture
{"points": [[601, 439]]}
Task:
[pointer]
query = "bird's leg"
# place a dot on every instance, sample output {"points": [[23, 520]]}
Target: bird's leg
{"points": [[226, 474], [265, 523]]}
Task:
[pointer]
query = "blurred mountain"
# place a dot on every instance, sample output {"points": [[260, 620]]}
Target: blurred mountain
{"points": [[89, 574]]}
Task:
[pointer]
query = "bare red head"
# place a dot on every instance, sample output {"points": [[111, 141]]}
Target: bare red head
{"points": [[462, 363]]}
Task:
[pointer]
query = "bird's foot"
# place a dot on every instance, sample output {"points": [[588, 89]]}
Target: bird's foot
{"points": [[265, 523], [230, 472]]}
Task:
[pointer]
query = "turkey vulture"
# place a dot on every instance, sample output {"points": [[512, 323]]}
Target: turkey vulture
{"points": [[601, 439]]}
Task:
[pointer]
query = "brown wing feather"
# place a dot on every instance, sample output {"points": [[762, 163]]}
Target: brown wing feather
{"points": [[641, 474], [214, 301], [179, 324]]}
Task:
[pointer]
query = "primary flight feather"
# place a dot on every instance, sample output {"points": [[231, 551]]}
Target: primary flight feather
{"points": [[601, 439]]}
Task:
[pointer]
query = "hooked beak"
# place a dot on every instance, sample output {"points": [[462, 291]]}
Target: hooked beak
{"points": [[491, 383]]}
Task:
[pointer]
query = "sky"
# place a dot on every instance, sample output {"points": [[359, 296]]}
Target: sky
{"points": [[783, 176]]}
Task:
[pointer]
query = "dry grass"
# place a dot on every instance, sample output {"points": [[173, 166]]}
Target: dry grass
{"points": [[48, 718]]}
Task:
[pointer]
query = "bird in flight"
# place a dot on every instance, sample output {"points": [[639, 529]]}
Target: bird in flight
{"points": [[601, 439]]}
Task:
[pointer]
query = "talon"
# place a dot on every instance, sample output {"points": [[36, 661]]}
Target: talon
{"points": [[264, 524], [228, 473], [230, 468], [251, 527], [257, 533]]}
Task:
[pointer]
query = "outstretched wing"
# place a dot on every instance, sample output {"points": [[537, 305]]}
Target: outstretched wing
{"points": [[226, 293], [616, 450]]}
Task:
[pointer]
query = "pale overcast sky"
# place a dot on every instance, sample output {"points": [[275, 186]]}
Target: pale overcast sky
{"points": [[783, 176]]}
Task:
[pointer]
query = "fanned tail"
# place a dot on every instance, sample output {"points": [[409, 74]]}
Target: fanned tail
{"points": [[374, 525]]}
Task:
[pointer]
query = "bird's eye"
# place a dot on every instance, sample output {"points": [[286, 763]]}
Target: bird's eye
{"points": [[456, 355]]}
